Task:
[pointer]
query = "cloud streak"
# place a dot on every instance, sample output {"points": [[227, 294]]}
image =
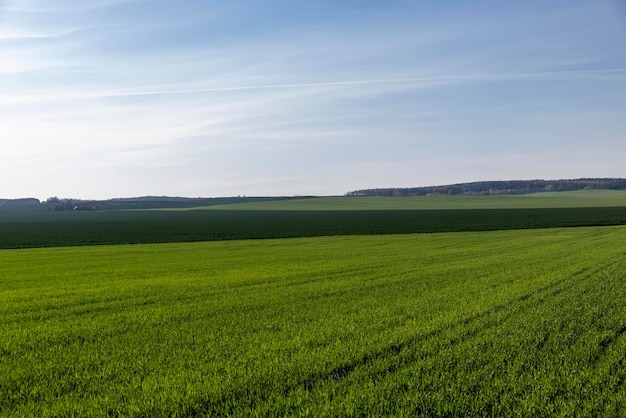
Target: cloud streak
{"points": [[549, 75], [412, 82]]}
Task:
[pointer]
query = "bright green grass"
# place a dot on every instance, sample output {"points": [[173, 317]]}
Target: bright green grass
{"points": [[585, 198], [505, 323]]}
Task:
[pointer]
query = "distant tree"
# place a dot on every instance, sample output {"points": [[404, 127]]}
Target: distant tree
{"points": [[500, 187]]}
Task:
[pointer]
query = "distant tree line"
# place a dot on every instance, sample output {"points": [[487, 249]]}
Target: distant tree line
{"points": [[19, 202], [510, 187], [56, 204]]}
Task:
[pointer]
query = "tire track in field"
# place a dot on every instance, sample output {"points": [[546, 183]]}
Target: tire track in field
{"points": [[605, 343], [403, 354], [341, 372], [337, 374], [462, 330]]}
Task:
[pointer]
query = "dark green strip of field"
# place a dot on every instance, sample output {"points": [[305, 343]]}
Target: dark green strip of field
{"points": [[46, 229]]}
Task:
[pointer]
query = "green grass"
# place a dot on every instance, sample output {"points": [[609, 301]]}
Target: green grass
{"points": [[505, 323], [584, 198]]}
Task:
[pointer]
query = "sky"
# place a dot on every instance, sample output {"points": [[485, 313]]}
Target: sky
{"points": [[120, 98]]}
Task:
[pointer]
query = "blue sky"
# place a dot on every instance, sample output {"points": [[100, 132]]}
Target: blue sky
{"points": [[118, 98]]}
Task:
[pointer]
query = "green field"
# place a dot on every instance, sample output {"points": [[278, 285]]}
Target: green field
{"points": [[45, 229], [433, 306], [583, 198], [513, 323]]}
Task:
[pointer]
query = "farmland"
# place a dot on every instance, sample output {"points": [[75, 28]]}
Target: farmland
{"points": [[430, 306], [578, 199], [309, 218], [527, 322]]}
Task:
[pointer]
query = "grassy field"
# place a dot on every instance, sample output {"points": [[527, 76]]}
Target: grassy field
{"points": [[522, 318], [508, 323], [583, 198]]}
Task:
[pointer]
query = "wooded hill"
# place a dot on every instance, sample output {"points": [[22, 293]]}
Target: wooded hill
{"points": [[18, 202], [510, 187]]}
